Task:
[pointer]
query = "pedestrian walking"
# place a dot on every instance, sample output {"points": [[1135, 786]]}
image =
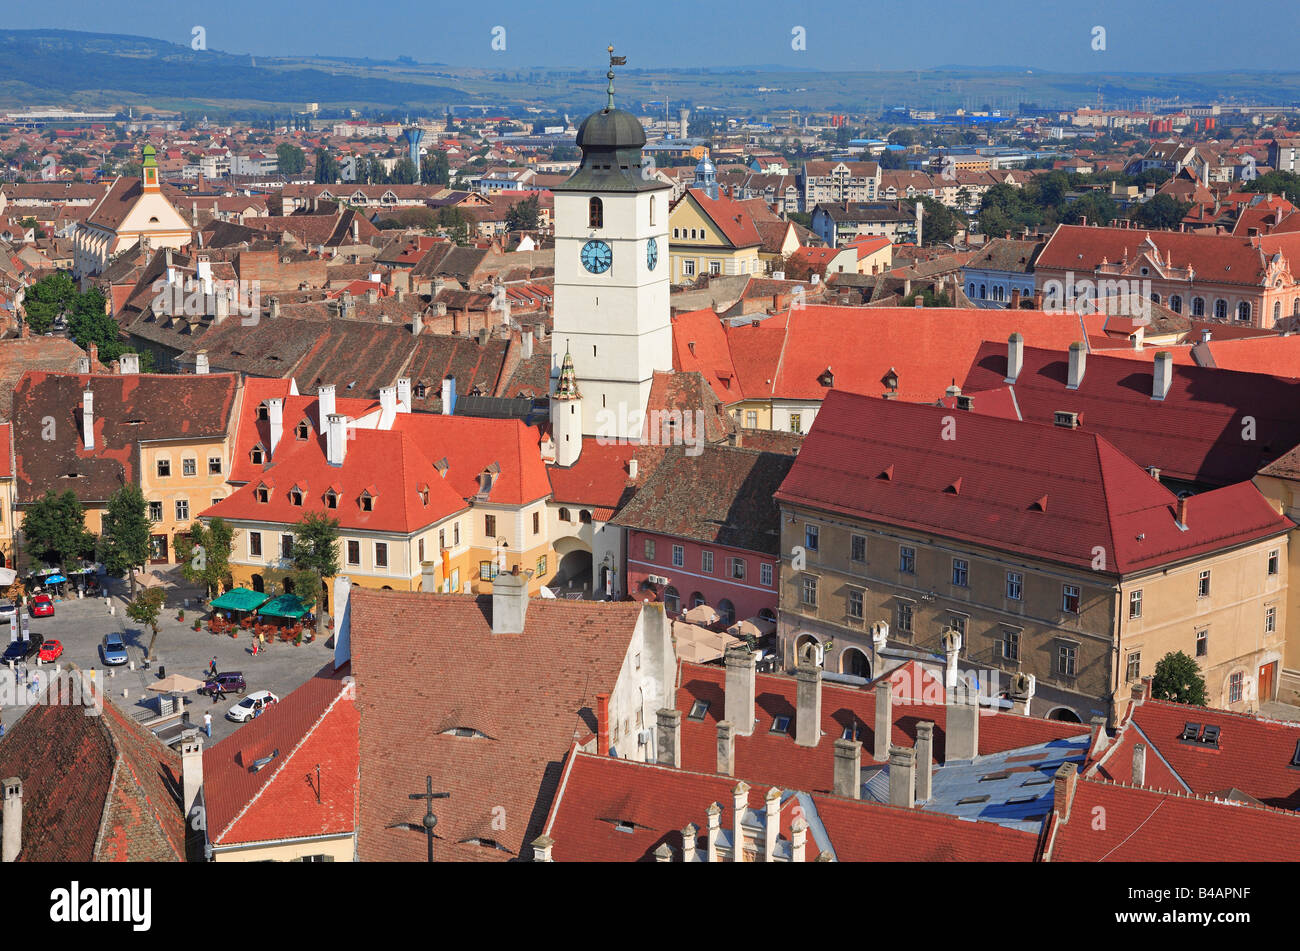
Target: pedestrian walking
{"points": [[212, 666], [207, 724]]}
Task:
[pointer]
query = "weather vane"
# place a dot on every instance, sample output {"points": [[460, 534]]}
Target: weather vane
{"points": [[613, 61]]}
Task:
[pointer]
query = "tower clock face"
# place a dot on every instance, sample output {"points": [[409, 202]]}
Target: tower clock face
{"points": [[597, 257], [652, 253]]}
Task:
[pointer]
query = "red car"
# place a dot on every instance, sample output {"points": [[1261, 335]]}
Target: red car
{"points": [[42, 606], [51, 650]]}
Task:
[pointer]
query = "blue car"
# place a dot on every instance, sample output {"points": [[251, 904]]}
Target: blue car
{"points": [[113, 650]]}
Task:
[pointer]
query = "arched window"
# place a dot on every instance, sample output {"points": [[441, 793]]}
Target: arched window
{"points": [[564, 516], [1277, 311], [584, 517], [672, 600], [697, 599], [1243, 310], [1295, 307], [727, 611], [1155, 297], [595, 213], [984, 291], [1198, 307], [855, 663], [1176, 304], [1220, 309]]}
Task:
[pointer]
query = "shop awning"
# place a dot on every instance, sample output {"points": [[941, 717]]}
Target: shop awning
{"points": [[284, 605], [239, 599]]}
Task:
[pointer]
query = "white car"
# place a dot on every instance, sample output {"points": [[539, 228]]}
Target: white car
{"points": [[251, 706], [7, 610]]}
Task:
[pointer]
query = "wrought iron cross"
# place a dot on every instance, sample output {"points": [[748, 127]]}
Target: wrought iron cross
{"points": [[430, 820]]}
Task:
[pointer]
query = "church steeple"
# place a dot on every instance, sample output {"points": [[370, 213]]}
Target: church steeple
{"points": [[567, 387], [149, 169], [566, 415]]}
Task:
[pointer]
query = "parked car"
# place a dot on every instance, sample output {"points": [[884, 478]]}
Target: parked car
{"points": [[8, 610], [251, 705], [42, 606], [113, 650], [22, 650], [51, 650], [230, 681]]}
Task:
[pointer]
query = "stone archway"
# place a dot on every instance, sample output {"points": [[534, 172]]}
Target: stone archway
{"points": [[1064, 715], [855, 663], [573, 571], [806, 649]]}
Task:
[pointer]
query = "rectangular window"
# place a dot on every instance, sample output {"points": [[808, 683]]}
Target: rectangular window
{"points": [[286, 546], [1202, 642], [455, 533], [182, 510], [679, 556], [961, 572], [1135, 603], [155, 512], [958, 623], [905, 617], [855, 604], [1066, 657], [487, 570], [490, 527], [765, 574], [537, 522], [796, 422], [420, 551], [255, 544], [1070, 598], [715, 268], [738, 569], [811, 535], [214, 465], [809, 593], [189, 467], [1272, 561], [354, 552], [650, 548], [1203, 584], [381, 554], [541, 567], [906, 560], [1015, 584], [858, 548], [164, 468], [1011, 645], [1270, 620], [1234, 687], [688, 268], [751, 419], [706, 562], [1134, 669]]}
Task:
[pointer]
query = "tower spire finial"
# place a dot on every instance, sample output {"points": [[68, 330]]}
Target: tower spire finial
{"points": [[613, 61]]}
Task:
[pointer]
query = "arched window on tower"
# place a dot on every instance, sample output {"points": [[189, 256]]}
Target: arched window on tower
{"points": [[595, 213]]}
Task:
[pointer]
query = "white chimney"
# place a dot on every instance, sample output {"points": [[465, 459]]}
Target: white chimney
{"points": [[191, 772], [417, 324], [726, 749], [404, 394], [542, 846], [275, 416], [1078, 356], [88, 420], [714, 813], [325, 401], [689, 833], [798, 840], [924, 759], [963, 727], [902, 776], [356, 231], [387, 406], [669, 750], [526, 338], [510, 601], [1163, 376], [738, 698], [771, 822], [739, 806], [336, 439], [632, 468], [11, 818], [951, 651], [204, 272], [1139, 765], [884, 720], [808, 708], [448, 395], [1015, 357], [342, 620], [128, 363], [201, 362]]}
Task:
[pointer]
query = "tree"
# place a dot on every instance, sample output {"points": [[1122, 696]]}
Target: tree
{"points": [[940, 223], [1286, 184], [434, 169], [55, 529], [523, 215], [205, 557], [315, 556], [454, 223], [146, 607], [1178, 678], [327, 169], [126, 531], [403, 173], [290, 158], [1163, 212], [48, 299]]}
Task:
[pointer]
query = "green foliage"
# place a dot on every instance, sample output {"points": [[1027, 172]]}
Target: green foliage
{"points": [[434, 169], [454, 224], [800, 218], [316, 544], [1161, 212], [403, 173], [304, 583], [1178, 678], [126, 530], [145, 608], [327, 169], [205, 558], [523, 215], [1098, 208], [54, 527], [941, 223], [291, 159], [47, 299], [1282, 183]]}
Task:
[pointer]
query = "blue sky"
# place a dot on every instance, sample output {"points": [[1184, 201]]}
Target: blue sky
{"points": [[1154, 36]]}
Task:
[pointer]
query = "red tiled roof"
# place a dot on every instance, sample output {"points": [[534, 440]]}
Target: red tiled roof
{"points": [[1194, 433], [730, 217], [599, 477], [1095, 496], [315, 726]]}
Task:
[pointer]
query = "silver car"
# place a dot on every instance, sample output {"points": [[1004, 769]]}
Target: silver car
{"points": [[113, 650], [7, 610]]}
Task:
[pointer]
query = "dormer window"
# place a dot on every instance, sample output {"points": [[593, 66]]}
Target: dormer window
{"points": [[367, 502], [424, 494], [295, 497], [421, 391], [302, 430], [257, 455], [262, 494], [263, 412], [331, 499]]}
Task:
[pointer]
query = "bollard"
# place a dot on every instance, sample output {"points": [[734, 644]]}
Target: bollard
{"points": [[124, 694], [130, 665]]}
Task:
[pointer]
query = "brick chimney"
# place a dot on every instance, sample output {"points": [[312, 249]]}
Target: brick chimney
{"points": [[1015, 299], [1066, 779], [1182, 513], [510, 601], [1038, 300], [92, 351], [740, 687], [808, 711], [669, 722], [726, 748], [902, 776], [884, 720], [11, 819], [848, 769], [924, 760], [602, 724]]}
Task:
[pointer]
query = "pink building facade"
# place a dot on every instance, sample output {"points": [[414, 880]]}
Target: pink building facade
{"points": [[728, 579]]}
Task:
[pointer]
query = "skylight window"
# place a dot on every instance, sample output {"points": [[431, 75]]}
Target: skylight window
{"points": [[701, 707], [780, 724]]}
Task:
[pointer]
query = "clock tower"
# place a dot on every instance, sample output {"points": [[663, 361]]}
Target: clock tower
{"points": [[611, 273]]}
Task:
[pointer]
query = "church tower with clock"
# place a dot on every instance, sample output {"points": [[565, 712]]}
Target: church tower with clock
{"points": [[611, 290]]}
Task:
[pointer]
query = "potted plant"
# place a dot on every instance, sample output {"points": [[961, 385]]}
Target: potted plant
{"points": [[180, 615], [197, 625], [297, 639]]}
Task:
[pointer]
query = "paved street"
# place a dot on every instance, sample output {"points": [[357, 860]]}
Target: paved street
{"points": [[80, 625]]}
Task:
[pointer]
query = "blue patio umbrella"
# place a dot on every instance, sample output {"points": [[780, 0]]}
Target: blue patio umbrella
{"points": [[55, 579]]}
